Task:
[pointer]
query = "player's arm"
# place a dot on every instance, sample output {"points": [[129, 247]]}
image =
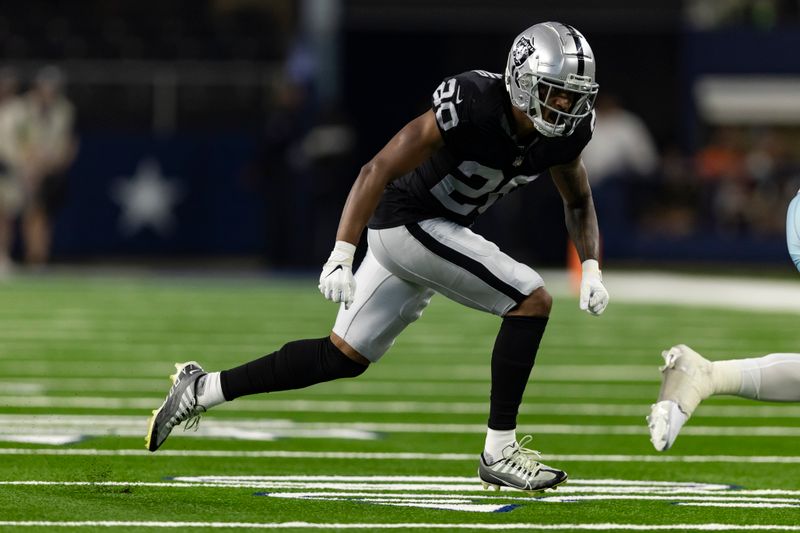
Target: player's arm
{"points": [[408, 149], [572, 182]]}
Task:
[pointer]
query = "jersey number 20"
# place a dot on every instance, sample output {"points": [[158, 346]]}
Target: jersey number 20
{"points": [[446, 114]]}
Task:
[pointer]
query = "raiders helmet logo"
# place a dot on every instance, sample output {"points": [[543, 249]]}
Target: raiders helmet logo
{"points": [[523, 48]]}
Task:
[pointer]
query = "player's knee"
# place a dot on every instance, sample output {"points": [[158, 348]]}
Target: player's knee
{"points": [[341, 360], [537, 303]]}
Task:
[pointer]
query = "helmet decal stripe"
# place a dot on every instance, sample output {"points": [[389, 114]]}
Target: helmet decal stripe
{"points": [[576, 37]]}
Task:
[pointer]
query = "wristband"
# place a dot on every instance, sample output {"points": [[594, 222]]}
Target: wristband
{"points": [[343, 252], [591, 266]]}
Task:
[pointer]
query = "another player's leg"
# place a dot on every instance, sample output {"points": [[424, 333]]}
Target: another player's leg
{"points": [[773, 378], [686, 381], [688, 378]]}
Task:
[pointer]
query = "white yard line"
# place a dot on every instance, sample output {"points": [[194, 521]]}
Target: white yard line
{"points": [[398, 456], [456, 493], [401, 407], [411, 525], [269, 429], [454, 373]]}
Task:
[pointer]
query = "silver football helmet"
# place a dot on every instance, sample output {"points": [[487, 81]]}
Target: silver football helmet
{"points": [[546, 59]]}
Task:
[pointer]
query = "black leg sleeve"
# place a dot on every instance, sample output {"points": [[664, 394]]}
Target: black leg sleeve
{"points": [[512, 360], [296, 365]]}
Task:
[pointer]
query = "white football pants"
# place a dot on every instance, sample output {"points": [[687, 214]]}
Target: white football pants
{"points": [[774, 377], [406, 265]]}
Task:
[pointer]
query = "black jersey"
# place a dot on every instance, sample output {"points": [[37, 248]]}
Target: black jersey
{"points": [[480, 161]]}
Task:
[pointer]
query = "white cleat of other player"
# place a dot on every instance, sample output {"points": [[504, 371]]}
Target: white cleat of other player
{"points": [[686, 381]]}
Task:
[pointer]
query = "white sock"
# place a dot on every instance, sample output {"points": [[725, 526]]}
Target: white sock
{"points": [[496, 440], [727, 377], [209, 390]]}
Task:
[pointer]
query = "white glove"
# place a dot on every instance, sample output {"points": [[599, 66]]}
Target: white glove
{"points": [[594, 296], [336, 282]]}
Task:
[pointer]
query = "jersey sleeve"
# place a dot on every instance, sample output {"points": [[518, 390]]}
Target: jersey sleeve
{"points": [[452, 102]]}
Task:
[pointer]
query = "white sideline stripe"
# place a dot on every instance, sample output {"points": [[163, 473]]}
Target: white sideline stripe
{"points": [[462, 372], [223, 480], [378, 487], [610, 495], [409, 407], [455, 479], [51, 439], [454, 493], [734, 504], [219, 428], [401, 456], [411, 525], [340, 388], [706, 291]]}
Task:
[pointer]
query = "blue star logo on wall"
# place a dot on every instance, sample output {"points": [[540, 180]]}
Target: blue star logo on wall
{"points": [[147, 199]]}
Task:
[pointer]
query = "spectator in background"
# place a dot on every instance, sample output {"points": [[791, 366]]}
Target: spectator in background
{"points": [[725, 181], [41, 146], [10, 188], [622, 146], [620, 159]]}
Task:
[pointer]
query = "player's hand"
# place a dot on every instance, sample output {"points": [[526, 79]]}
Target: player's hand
{"points": [[594, 296], [336, 282]]}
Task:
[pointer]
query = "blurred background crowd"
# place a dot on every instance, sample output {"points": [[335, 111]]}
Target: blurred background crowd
{"points": [[206, 130]]}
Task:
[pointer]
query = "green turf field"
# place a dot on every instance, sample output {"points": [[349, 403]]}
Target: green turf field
{"points": [[84, 360]]}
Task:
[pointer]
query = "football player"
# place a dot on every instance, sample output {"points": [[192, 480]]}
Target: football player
{"points": [[484, 136], [688, 378]]}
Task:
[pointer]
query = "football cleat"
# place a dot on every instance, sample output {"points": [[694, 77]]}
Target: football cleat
{"points": [[665, 422], [180, 405], [519, 469], [686, 381]]}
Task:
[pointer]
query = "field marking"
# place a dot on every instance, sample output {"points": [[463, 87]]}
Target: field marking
{"points": [[706, 291], [458, 372], [49, 439], [510, 496], [455, 493], [373, 526], [399, 407], [269, 429], [399, 456], [742, 505], [375, 387]]}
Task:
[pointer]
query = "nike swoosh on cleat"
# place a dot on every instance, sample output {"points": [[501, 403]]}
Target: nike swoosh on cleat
{"points": [[503, 481]]}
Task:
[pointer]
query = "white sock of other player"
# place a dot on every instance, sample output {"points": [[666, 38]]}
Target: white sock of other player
{"points": [[209, 390], [496, 440], [774, 377]]}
